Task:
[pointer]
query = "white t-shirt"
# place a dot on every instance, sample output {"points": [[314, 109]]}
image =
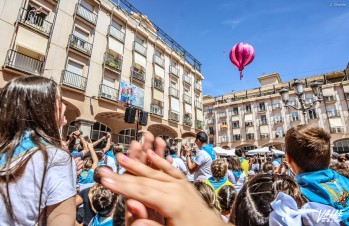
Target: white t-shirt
{"points": [[189, 176], [276, 164], [179, 164], [203, 159], [238, 182], [110, 162], [59, 185]]}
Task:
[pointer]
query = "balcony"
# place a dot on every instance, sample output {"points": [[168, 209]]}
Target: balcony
{"points": [[261, 108], [157, 109], [224, 126], [173, 92], [173, 116], [330, 99], [222, 114], [187, 79], [224, 139], [236, 138], [210, 121], [210, 132], [313, 116], [139, 48], [138, 75], [23, 63], [116, 33], [248, 110], [249, 124], [174, 71], [112, 62], [158, 84], [264, 136], [250, 136], [108, 92], [276, 106], [198, 124], [333, 114], [186, 99], [235, 112], [263, 122], [279, 134], [198, 104], [292, 102], [73, 80], [347, 96], [236, 124], [197, 86], [159, 61], [278, 120], [80, 45], [294, 118], [35, 21], [337, 130], [86, 14], [187, 120]]}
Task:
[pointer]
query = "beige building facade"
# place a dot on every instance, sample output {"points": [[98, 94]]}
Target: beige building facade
{"points": [[258, 117], [93, 49]]}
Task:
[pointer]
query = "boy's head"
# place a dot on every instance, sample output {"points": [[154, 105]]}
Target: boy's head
{"points": [[308, 148], [239, 153], [118, 149], [173, 150], [103, 201], [219, 168]]}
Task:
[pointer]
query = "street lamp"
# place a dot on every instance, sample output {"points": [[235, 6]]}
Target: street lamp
{"points": [[298, 87]]}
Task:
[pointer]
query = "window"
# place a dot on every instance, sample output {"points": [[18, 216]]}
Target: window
{"points": [[236, 124], [224, 123], [210, 109], [346, 95], [341, 146], [312, 114], [235, 111], [158, 53], [249, 136], [248, 108], [261, 106], [116, 25], [210, 130], [249, 123], [173, 84], [294, 116], [263, 120], [236, 137], [75, 68], [249, 148], [35, 15], [139, 41], [126, 136], [98, 130]]}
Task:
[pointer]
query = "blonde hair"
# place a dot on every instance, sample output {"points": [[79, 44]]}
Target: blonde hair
{"points": [[208, 195], [219, 168]]}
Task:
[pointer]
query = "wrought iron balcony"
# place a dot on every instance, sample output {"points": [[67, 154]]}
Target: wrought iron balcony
{"points": [[263, 122], [279, 134], [73, 80], [186, 79], [173, 116], [278, 120], [80, 45], [159, 61], [187, 120], [174, 92], [276, 106], [23, 63], [249, 124], [174, 71], [116, 33], [198, 124], [35, 21], [138, 75], [236, 125], [249, 136], [261, 108], [86, 14], [264, 136], [224, 139], [198, 104], [330, 99], [313, 116], [197, 86], [187, 98], [108, 92], [112, 62], [333, 114], [139, 48], [337, 130], [294, 118], [157, 109], [248, 110], [236, 137], [158, 84], [235, 112], [222, 114]]}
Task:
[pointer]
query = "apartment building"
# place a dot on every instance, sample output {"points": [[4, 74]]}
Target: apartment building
{"points": [[98, 50], [258, 117]]}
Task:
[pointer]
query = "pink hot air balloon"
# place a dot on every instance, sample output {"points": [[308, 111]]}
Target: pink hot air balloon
{"points": [[241, 55]]}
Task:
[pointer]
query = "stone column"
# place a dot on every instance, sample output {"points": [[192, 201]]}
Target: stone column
{"points": [[85, 126]]}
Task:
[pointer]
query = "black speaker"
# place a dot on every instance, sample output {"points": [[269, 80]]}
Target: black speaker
{"points": [[130, 115], [143, 118]]}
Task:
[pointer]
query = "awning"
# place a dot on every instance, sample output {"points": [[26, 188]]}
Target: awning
{"points": [[175, 104], [31, 40], [264, 129], [328, 91], [336, 122], [235, 118], [199, 115], [140, 60], [248, 117], [158, 95], [116, 46], [346, 88], [236, 131], [187, 108], [159, 71], [249, 130]]}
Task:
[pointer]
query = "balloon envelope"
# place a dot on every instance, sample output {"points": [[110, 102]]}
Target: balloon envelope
{"points": [[241, 55]]}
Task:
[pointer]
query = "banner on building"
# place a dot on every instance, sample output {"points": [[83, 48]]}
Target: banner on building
{"points": [[131, 94]]}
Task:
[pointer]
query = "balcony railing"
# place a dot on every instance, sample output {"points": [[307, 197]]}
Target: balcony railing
{"points": [[224, 139], [108, 92], [174, 71], [264, 136], [198, 124], [23, 62], [116, 33], [292, 102], [313, 116], [139, 48], [333, 113], [294, 118], [187, 120], [248, 110], [236, 125], [278, 120], [174, 92], [187, 99], [35, 21], [277, 106], [250, 136], [235, 112], [174, 116], [138, 75], [197, 86], [279, 134], [236, 138], [158, 84], [210, 132], [86, 14], [222, 114], [263, 122], [157, 109], [80, 45], [73, 80], [198, 104], [112, 62], [187, 79], [210, 121], [249, 124], [261, 108], [159, 61], [329, 98], [337, 130]]}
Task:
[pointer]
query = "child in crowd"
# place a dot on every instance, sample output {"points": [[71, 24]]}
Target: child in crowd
{"points": [[208, 195], [308, 152], [85, 179], [226, 197], [235, 173], [218, 180], [244, 163]]}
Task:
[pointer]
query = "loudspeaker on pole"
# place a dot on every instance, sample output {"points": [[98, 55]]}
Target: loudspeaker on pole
{"points": [[143, 118], [130, 115]]}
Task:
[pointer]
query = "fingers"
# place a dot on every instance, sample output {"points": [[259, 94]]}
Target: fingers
{"points": [[136, 153], [160, 146], [147, 141], [137, 209], [145, 222]]}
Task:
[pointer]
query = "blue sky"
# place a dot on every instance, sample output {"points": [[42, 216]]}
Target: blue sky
{"points": [[297, 38]]}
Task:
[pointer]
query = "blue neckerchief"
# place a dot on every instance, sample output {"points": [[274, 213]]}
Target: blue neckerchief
{"points": [[278, 160], [217, 184], [86, 177], [326, 187], [111, 154], [241, 159], [209, 149], [237, 174], [25, 144], [96, 219], [174, 156]]}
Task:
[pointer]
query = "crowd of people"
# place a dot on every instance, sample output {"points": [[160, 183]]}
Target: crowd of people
{"points": [[45, 179]]}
